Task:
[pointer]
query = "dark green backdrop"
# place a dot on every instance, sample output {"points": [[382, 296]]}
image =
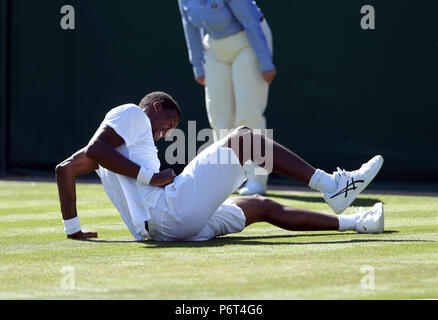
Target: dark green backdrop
{"points": [[342, 94]]}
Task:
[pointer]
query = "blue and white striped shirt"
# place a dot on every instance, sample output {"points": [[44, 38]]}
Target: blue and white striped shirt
{"points": [[220, 19]]}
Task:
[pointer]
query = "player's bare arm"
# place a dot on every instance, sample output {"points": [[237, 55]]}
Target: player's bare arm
{"points": [[66, 173], [102, 149]]}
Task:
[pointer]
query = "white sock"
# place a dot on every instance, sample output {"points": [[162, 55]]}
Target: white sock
{"points": [[348, 222], [323, 182]]}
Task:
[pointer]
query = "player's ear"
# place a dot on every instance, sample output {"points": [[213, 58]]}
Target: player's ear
{"points": [[157, 106]]}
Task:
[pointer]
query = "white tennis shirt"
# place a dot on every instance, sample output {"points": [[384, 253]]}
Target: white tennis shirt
{"points": [[133, 200]]}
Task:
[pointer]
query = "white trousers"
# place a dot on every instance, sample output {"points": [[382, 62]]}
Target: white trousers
{"points": [[236, 93]]}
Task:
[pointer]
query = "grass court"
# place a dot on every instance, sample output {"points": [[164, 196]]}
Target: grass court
{"points": [[263, 262]]}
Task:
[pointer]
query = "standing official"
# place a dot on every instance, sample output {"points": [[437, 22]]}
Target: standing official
{"points": [[230, 48]]}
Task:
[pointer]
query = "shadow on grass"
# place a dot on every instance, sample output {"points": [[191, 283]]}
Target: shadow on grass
{"points": [[258, 240], [360, 202]]}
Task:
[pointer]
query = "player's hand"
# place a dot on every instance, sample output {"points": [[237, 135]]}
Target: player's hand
{"points": [[169, 177], [269, 75], [200, 80], [82, 235], [163, 178]]}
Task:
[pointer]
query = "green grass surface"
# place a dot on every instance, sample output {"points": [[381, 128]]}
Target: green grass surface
{"points": [[263, 262]]}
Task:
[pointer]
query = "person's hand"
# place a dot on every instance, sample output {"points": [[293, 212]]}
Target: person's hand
{"points": [[200, 80], [269, 75], [82, 235], [169, 176], [163, 178]]}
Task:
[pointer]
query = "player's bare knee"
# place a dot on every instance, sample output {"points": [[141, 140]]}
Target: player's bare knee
{"points": [[244, 135], [243, 130], [240, 140], [240, 133], [240, 128], [267, 204]]}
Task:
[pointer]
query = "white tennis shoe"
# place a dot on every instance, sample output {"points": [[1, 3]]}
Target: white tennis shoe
{"points": [[350, 184], [372, 220]]}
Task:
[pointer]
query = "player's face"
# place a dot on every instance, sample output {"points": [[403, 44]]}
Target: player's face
{"points": [[163, 122]]}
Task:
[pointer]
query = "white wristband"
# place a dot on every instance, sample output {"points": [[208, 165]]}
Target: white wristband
{"points": [[145, 176], [72, 226]]}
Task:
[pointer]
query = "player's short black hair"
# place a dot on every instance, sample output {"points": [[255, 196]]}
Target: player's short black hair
{"points": [[167, 102]]}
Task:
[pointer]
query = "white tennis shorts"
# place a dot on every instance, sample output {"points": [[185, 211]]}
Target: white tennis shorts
{"points": [[195, 207]]}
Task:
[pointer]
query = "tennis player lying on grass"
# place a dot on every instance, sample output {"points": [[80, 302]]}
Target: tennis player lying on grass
{"points": [[194, 206]]}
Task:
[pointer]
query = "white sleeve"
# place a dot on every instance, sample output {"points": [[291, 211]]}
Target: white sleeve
{"points": [[130, 123]]}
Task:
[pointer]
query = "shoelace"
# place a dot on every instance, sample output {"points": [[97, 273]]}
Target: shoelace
{"points": [[342, 172], [339, 173], [363, 213]]}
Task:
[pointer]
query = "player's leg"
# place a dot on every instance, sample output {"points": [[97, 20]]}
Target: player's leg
{"points": [[283, 160], [340, 189], [261, 209], [237, 213]]}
